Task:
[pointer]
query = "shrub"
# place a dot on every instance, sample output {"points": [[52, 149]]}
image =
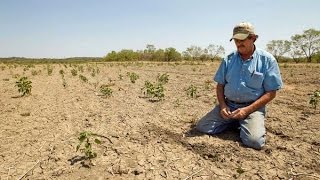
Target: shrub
{"points": [[74, 72], [34, 72], [106, 90], [50, 70], [83, 78], [133, 76], [163, 78], [93, 74], [192, 91], [314, 99], [24, 86], [80, 68], [154, 91]]}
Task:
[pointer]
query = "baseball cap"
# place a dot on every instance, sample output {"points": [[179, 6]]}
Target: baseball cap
{"points": [[242, 31]]}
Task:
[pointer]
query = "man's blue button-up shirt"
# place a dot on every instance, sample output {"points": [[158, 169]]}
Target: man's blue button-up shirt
{"points": [[246, 81]]}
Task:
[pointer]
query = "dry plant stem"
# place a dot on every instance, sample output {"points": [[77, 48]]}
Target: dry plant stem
{"points": [[194, 174], [29, 170]]}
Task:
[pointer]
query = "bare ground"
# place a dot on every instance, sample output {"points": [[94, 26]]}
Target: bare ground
{"points": [[149, 140]]}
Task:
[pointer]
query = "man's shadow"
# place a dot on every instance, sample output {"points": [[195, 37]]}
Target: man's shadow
{"points": [[230, 134]]}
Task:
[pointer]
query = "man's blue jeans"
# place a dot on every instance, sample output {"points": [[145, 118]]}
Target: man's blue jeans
{"points": [[252, 129]]}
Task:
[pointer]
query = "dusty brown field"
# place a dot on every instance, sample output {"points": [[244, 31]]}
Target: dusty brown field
{"points": [[149, 140]]}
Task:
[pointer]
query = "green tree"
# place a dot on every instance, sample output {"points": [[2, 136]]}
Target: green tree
{"points": [[317, 57], [295, 53], [194, 52], [148, 53], [113, 56], [308, 43], [159, 55], [186, 56], [215, 51], [123, 55], [171, 54], [128, 55], [278, 48], [150, 48]]}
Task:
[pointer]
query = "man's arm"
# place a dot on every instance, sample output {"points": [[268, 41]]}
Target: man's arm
{"points": [[245, 111], [224, 109]]}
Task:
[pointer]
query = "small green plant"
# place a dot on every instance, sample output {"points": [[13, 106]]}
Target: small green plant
{"points": [[93, 74], [177, 103], [34, 72], [80, 68], [155, 91], [25, 68], [208, 85], [120, 76], [314, 99], [85, 137], [74, 72], [61, 72], [106, 90], [133, 76], [192, 91], [50, 70], [24, 86], [240, 170], [163, 78], [83, 78]]}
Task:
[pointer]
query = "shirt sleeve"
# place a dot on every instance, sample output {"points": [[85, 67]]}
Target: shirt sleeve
{"points": [[273, 79], [221, 73]]}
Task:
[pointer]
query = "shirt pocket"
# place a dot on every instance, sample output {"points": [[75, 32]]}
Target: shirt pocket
{"points": [[256, 80]]}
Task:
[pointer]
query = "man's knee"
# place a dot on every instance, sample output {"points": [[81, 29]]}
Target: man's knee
{"points": [[204, 127], [253, 131], [253, 141]]}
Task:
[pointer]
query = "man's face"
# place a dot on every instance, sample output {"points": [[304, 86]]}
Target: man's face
{"points": [[245, 46]]}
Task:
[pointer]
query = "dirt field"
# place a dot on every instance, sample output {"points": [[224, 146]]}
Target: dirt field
{"points": [[149, 140]]}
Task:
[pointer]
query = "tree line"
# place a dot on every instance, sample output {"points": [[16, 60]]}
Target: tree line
{"points": [[150, 53], [303, 47]]}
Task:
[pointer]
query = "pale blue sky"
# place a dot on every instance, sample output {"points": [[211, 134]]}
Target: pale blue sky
{"points": [[77, 28]]}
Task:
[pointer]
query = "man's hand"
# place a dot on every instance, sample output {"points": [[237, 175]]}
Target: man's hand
{"points": [[240, 113], [225, 113]]}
